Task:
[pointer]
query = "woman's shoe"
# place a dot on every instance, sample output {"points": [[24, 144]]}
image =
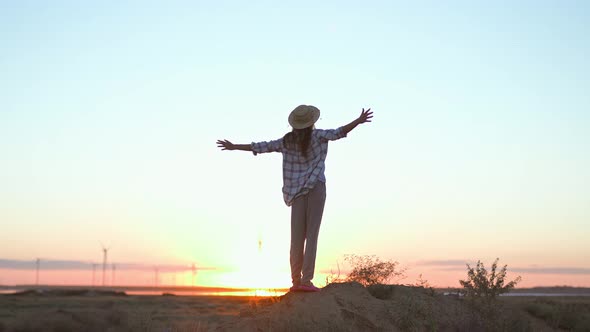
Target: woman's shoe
{"points": [[306, 288]]}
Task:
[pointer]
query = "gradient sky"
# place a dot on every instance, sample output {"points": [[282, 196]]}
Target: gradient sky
{"points": [[479, 148]]}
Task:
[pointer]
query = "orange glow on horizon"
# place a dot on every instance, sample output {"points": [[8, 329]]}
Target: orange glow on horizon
{"points": [[259, 277]]}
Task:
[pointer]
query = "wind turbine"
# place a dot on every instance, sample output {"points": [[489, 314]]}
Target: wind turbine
{"points": [[93, 273], [105, 252], [194, 269], [37, 273], [113, 275], [156, 276]]}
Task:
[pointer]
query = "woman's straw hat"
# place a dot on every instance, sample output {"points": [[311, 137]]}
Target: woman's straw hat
{"points": [[304, 116]]}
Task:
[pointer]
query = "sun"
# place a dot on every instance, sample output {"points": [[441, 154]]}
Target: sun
{"points": [[257, 267]]}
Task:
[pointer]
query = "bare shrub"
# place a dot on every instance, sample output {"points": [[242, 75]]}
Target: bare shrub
{"points": [[421, 282], [334, 276], [370, 270]]}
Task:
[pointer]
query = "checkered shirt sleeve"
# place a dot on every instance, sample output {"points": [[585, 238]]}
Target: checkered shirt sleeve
{"points": [[264, 147], [331, 134]]}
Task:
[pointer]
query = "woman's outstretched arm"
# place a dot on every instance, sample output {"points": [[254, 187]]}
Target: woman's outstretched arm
{"points": [[365, 116], [227, 145]]}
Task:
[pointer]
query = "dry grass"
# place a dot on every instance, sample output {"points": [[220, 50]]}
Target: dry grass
{"points": [[566, 313]]}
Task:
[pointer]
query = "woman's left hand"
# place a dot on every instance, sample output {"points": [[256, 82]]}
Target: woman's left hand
{"points": [[225, 145]]}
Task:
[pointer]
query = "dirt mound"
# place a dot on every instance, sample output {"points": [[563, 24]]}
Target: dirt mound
{"points": [[352, 307]]}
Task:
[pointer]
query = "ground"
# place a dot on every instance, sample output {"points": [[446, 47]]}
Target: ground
{"points": [[338, 307]]}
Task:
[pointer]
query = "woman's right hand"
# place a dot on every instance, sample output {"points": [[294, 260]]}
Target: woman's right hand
{"points": [[365, 116]]}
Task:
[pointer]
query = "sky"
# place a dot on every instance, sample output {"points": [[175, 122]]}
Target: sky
{"points": [[478, 149]]}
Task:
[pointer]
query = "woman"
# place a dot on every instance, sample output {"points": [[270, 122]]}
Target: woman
{"points": [[304, 151]]}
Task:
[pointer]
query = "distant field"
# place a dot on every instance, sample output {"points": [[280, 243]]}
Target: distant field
{"points": [[538, 291], [117, 313], [147, 290], [577, 291]]}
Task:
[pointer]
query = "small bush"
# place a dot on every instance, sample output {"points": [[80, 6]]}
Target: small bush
{"points": [[481, 284], [421, 282], [370, 270]]}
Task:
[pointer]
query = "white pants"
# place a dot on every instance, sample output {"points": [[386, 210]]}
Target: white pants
{"points": [[306, 217]]}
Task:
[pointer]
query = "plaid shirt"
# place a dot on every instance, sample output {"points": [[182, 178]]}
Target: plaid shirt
{"points": [[300, 174]]}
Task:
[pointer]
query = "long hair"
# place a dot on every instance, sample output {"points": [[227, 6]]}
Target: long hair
{"points": [[299, 139]]}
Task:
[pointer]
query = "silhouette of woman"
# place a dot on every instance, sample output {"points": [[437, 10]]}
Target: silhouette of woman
{"points": [[304, 151]]}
